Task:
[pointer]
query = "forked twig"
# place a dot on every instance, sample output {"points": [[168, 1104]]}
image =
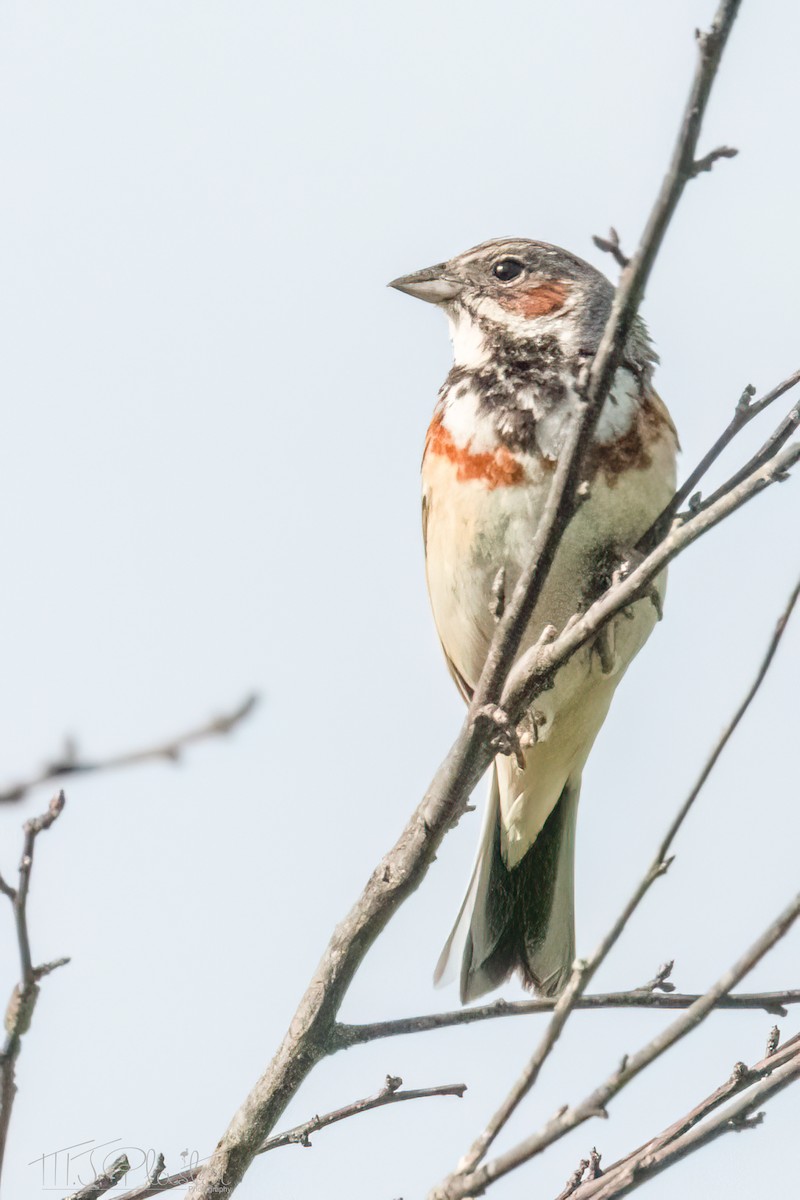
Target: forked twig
{"points": [[611, 245]]}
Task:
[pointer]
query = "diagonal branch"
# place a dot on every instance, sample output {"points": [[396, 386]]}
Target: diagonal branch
{"points": [[171, 750], [594, 1105], [584, 970], [299, 1135], [534, 670], [746, 409], [774, 442], [755, 1085]]}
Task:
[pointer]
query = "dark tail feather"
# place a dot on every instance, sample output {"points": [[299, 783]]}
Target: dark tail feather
{"points": [[524, 919]]}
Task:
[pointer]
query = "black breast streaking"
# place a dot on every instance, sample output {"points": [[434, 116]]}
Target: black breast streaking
{"points": [[524, 380]]}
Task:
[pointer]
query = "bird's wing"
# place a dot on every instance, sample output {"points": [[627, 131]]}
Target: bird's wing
{"points": [[458, 678]]}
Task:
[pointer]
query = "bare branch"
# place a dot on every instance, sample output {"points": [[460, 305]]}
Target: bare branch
{"points": [[346, 1036], [757, 1084], [730, 729], [610, 245], [744, 412], [585, 969], [71, 764], [299, 1135], [19, 1011], [781, 435], [476, 1182], [574, 1180], [104, 1183], [707, 161], [32, 829], [534, 669]]}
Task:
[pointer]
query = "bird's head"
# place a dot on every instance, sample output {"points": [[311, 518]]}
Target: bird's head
{"points": [[514, 288]]}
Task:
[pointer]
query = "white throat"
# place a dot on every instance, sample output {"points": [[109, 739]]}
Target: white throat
{"points": [[469, 341]]}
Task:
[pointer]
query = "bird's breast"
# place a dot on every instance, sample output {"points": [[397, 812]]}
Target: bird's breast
{"points": [[483, 501], [497, 467]]}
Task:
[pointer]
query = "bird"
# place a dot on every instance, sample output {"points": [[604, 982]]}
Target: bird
{"points": [[526, 318]]}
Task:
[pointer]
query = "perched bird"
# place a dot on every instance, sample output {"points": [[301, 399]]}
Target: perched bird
{"points": [[525, 317]]}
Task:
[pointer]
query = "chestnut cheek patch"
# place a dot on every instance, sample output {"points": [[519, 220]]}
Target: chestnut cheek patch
{"points": [[537, 301]]}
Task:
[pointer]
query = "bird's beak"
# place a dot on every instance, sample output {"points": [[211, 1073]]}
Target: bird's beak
{"points": [[434, 284]]}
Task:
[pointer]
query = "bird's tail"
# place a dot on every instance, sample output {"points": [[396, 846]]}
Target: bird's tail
{"points": [[520, 919]]}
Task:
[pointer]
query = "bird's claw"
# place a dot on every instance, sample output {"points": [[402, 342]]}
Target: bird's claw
{"points": [[504, 737]]}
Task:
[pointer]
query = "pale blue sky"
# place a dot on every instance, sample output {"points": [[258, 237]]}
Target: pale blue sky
{"points": [[214, 415]]}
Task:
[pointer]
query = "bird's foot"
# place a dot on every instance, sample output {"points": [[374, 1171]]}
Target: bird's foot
{"points": [[504, 737], [627, 560]]}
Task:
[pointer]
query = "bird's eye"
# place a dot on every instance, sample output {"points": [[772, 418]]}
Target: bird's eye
{"points": [[507, 269]]}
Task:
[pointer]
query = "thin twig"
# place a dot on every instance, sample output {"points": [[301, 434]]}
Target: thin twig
{"points": [[585, 969], [71, 764], [574, 1180], [707, 161], [778, 438], [19, 1011], [731, 727], [741, 1078], [756, 1084], [745, 411], [299, 1135], [534, 670], [737, 1116], [611, 245], [345, 1036], [594, 1105]]}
